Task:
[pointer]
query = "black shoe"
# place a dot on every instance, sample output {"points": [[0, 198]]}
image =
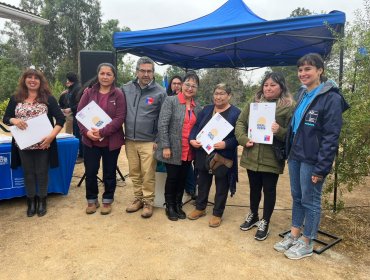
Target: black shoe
{"points": [[251, 221], [41, 209], [180, 213], [171, 213], [31, 206], [262, 231]]}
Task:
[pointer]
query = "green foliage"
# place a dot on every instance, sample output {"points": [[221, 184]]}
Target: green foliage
{"points": [[3, 106], [211, 77], [9, 75], [173, 71], [57, 88], [353, 162]]}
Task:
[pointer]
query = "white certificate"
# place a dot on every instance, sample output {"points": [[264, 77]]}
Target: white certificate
{"points": [[92, 116], [37, 129], [213, 132], [261, 117]]}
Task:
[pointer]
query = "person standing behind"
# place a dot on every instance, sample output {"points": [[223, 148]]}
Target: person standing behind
{"points": [[74, 96], [174, 86], [33, 98], [263, 166], [177, 118], [105, 142], [312, 142], [144, 99], [64, 105]]}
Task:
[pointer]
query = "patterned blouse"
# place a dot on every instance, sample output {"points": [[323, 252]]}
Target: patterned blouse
{"points": [[26, 111]]}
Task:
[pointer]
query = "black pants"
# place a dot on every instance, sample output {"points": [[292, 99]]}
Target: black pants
{"points": [[77, 134], [175, 182], [92, 158], [35, 164], [204, 186], [266, 181]]}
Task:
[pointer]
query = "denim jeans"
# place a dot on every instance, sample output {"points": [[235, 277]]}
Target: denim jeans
{"points": [[306, 198]]}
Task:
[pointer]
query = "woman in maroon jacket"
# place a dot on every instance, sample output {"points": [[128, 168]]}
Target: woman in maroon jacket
{"points": [[105, 142]]}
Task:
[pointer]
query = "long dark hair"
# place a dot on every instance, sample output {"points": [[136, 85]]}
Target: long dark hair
{"points": [[169, 90], [285, 99], [313, 59], [43, 92]]}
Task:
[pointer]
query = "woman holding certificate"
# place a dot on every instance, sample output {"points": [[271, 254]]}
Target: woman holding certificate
{"points": [[227, 149], [264, 162], [176, 119], [105, 142], [32, 99]]}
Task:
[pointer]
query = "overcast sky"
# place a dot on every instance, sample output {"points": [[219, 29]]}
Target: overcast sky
{"points": [[148, 14]]}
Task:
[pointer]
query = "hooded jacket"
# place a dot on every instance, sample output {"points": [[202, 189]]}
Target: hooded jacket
{"points": [[317, 138], [143, 107]]}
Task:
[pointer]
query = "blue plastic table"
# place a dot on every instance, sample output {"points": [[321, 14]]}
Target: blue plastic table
{"points": [[12, 182]]}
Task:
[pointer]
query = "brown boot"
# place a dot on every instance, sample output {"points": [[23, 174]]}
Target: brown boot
{"points": [[147, 210], [136, 205], [215, 221], [196, 214], [91, 207], [106, 209]]}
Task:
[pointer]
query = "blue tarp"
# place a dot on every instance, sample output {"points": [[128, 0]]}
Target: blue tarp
{"points": [[233, 36]]}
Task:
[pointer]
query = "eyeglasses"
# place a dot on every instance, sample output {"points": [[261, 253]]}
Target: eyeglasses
{"points": [[149, 72], [189, 86], [220, 94]]}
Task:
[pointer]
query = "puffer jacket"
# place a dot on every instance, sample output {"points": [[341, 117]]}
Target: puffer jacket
{"points": [[317, 137]]}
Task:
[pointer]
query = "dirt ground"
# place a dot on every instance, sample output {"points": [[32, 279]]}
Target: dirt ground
{"points": [[68, 244]]}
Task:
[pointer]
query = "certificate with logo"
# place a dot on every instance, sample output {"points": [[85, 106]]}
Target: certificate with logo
{"points": [[213, 132], [261, 117], [92, 116]]}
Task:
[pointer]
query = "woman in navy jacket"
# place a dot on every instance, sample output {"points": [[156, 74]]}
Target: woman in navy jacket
{"points": [[226, 148], [312, 142]]}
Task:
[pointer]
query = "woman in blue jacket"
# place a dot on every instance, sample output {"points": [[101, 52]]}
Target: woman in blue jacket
{"points": [[312, 142]]}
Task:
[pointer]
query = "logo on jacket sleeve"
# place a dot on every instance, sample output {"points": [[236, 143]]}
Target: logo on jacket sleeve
{"points": [[149, 100]]}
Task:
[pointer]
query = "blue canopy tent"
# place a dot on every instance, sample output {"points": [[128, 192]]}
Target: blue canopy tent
{"points": [[233, 36]]}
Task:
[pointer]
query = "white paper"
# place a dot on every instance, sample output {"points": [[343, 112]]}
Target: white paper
{"points": [[37, 129], [92, 116], [5, 139], [62, 135], [213, 132], [261, 117]]}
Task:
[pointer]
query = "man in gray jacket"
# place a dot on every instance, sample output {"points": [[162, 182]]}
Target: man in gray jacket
{"points": [[144, 98]]}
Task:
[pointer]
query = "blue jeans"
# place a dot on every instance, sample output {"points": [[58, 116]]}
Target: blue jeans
{"points": [[306, 198]]}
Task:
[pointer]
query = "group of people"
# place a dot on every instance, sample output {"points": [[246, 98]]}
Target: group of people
{"points": [[163, 126]]}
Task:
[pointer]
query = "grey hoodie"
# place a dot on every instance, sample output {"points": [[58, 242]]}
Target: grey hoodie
{"points": [[143, 107]]}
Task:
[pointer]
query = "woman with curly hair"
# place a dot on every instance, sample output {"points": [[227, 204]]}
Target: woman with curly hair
{"points": [[33, 98]]}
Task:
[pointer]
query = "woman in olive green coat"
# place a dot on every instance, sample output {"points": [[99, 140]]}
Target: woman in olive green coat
{"points": [[262, 163]]}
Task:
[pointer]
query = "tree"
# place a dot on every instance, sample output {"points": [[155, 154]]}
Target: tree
{"points": [[352, 164], [211, 77]]}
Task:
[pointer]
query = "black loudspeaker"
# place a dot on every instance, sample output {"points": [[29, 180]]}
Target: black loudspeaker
{"points": [[89, 62]]}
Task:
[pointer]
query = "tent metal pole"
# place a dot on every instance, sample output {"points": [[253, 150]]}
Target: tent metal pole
{"points": [[341, 67]]}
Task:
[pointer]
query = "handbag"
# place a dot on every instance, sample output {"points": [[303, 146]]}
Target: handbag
{"points": [[217, 164], [278, 147]]}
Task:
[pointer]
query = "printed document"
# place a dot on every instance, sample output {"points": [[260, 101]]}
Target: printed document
{"points": [[213, 132], [92, 116], [37, 129], [261, 117]]}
